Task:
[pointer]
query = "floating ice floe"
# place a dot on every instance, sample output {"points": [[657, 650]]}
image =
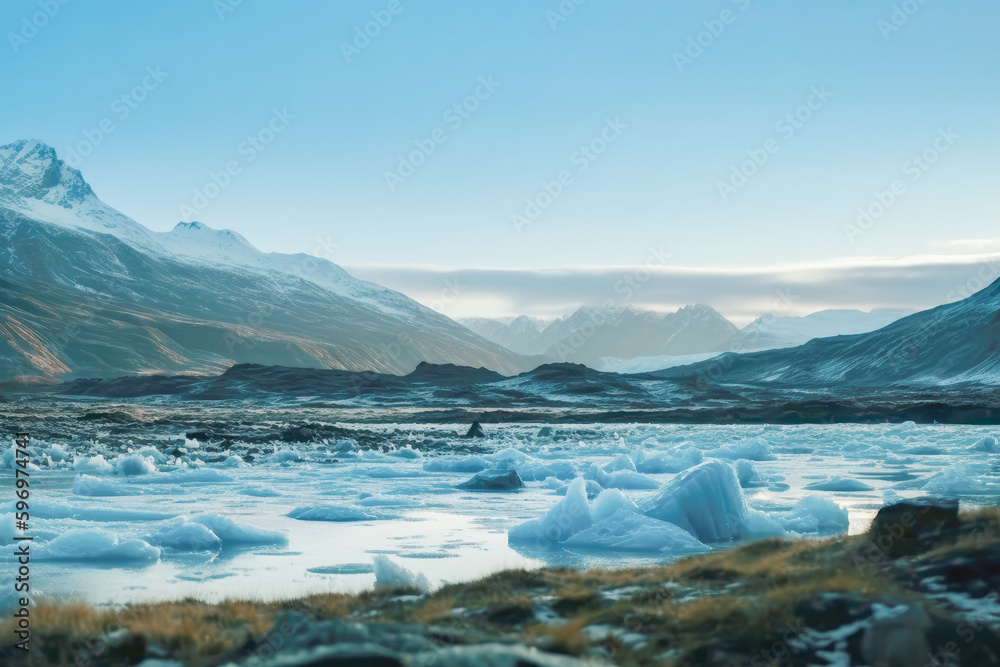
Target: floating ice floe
{"points": [[620, 462], [839, 485], [456, 464], [747, 473], [258, 492], [561, 488], [8, 528], [186, 536], [620, 479], [611, 522], [964, 479], [608, 502], [283, 456], [132, 465], [569, 516], [88, 485], [988, 444], [407, 453], [93, 464], [531, 469], [707, 501], [813, 514], [335, 513], [189, 476], [379, 500], [753, 449], [234, 461], [389, 574], [626, 530], [95, 545], [390, 472], [41, 509], [238, 532], [671, 462]]}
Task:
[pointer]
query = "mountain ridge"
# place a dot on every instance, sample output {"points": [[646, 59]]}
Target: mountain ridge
{"points": [[89, 291]]}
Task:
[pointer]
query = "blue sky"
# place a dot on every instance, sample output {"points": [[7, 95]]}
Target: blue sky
{"points": [[556, 83]]}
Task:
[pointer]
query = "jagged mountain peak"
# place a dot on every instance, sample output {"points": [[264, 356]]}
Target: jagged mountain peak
{"points": [[200, 232], [30, 169]]}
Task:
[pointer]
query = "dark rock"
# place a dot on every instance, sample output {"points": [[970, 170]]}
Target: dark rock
{"points": [[974, 572], [298, 434], [897, 638], [200, 436], [914, 526], [116, 417], [545, 432], [494, 480], [476, 431]]}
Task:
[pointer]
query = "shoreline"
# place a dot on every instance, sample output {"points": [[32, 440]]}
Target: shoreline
{"points": [[929, 571]]}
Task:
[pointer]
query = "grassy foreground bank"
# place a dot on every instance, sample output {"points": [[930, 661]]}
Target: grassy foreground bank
{"points": [[899, 595]]}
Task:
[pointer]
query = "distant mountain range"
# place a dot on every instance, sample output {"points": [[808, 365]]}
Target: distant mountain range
{"points": [[87, 291], [951, 344], [594, 332], [631, 340]]}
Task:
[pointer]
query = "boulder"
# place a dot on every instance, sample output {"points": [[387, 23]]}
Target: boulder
{"points": [[494, 480], [914, 526]]}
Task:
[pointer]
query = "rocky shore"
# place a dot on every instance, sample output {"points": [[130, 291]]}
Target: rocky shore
{"points": [[922, 587]]}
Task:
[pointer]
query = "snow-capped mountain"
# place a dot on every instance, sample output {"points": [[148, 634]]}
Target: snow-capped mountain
{"points": [[87, 290], [522, 334], [625, 332], [594, 334], [954, 343], [774, 332]]}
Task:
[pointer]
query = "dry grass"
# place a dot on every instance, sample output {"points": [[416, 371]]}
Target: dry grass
{"points": [[747, 595]]}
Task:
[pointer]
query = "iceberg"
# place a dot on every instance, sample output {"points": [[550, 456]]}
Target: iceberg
{"points": [[674, 462], [334, 513], [753, 449], [186, 536], [988, 444], [620, 479], [233, 532], [91, 464], [707, 501], [389, 574], [814, 514], [456, 464], [839, 485], [625, 530], [89, 544], [608, 502], [87, 485], [569, 516], [132, 465]]}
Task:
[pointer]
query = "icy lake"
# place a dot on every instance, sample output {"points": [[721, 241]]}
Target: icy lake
{"points": [[177, 517]]}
